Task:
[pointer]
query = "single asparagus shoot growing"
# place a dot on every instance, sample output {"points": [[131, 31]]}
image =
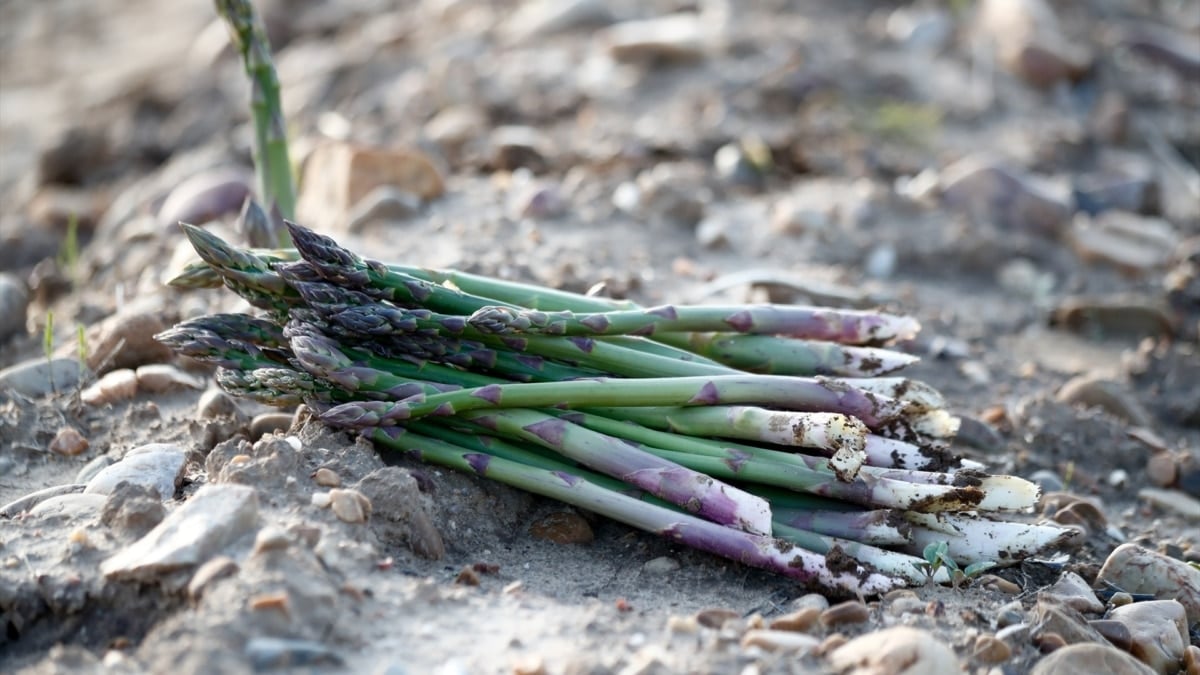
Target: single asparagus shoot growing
{"points": [[271, 158]]}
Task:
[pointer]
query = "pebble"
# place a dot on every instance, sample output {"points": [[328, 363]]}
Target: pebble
{"points": [[1112, 397], [514, 147], [920, 29], [384, 203], [213, 518], [663, 39], [126, 340], [156, 466], [897, 650], [205, 197], [326, 477], [37, 376], [1162, 469], [1114, 193], [68, 442], [270, 538], [1047, 479], [267, 653], [810, 600], [989, 649], [455, 126], [14, 301], [1117, 633], [537, 200], [1132, 243], [215, 403], [1090, 659], [563, 527], [673, 192], [851, 611], [989, 191], [269, 423], [662, 565], [114, 387], [779, 641], [23, 504], [1029, 42], [216, 568], [999, 583], [1072, 591], [1069, 625], [1174, 501], [802, 620], [338, 175], [1014, 634], [93, 467], [133, 508], [350, 506], [733, 166], [1135, 569], [1174, 49], [69, 506], [539, 18], [158, 378], [716, 617], [1191, 660], [1114, 315]]}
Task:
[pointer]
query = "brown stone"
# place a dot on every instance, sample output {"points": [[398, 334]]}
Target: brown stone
{"points": [[563, 527]]}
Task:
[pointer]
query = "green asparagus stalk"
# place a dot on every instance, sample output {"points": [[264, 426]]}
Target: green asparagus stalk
{"points": [[271, 157], [816, 323], [751, 549], [791, 392]]}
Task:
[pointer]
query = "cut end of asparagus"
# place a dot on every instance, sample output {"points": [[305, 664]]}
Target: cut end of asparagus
{"points": [[972, 538], [1008, 494]]}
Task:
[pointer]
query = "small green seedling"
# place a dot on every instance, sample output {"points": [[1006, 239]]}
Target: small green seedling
{"points": [[48, 346], [68, 255], [936, 556]]}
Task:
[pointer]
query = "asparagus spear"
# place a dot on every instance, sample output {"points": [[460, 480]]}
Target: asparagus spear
{"points": [[788, 356], [748, 548], [791, 392], [819, 323], [270, 134]]}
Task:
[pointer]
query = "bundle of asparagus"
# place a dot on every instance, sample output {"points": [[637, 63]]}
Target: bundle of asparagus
{"points": [[773, 435]]}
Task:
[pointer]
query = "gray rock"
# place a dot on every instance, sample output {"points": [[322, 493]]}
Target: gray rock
{"points": [[1159, 632], [216, 403], [383, 203], [1069, 624], [989, 191], [38, 377], [267, 652], [14, 300], [69, 506], [269, 423], [538, 18], [215, 517], [156, 466], [1072, 591], [399, 512], [93, 467], [1134, 569], [1090, 659], [664, 39], [126, 339], [23, 504], [1173, 500], [662, 565], [133, 508], [206, 196]]}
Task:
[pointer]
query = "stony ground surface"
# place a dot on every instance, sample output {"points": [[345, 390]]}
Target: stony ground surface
{"points": [[1022, 179]]}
